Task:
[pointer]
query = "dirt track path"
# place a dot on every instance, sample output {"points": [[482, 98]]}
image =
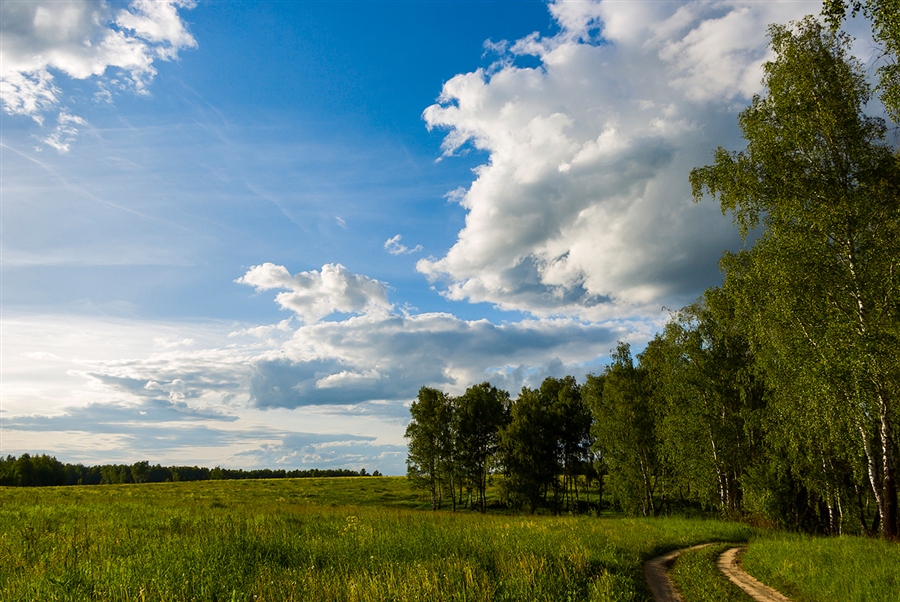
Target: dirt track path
{"points": [[728, 563], [656, 573]]}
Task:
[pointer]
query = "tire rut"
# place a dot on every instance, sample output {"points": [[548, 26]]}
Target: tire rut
{"points": [[656, 573], [729, 563]]}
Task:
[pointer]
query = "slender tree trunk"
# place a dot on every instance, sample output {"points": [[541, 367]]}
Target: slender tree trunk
{"points": [[872, 466], [840, 509], [576, 492], [889, 485], [888, 502], [720, 478]]}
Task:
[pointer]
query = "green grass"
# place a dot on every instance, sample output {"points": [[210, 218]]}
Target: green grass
{"points": [[697, 578], [374, 539], [819, 569], [315, 539]]}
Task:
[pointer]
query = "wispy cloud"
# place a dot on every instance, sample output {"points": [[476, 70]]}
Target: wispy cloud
{"points": [[164, 432], [66, 131], [395, 247]]}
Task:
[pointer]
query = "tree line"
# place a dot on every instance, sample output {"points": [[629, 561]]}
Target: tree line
{"points": [[773, 395], [43, 470]]}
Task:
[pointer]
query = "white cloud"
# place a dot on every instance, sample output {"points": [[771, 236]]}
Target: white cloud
{"points": [[66, 131], [384, 355], [218, 392], [83, 39], [316, 294], [395, 247], [380, 358], [165, 343], [583, 207], [389, 357]]}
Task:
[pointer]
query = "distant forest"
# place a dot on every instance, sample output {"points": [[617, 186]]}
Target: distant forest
{"points": [[772, 397], [43, 471]]}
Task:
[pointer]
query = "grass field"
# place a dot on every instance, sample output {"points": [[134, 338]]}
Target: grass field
{"points": [[835, 569], [373, 538], [314, 539]]}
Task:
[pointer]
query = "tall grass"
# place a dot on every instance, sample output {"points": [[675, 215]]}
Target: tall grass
{"points": [[314, 539], [827, 569], [697, 578]]}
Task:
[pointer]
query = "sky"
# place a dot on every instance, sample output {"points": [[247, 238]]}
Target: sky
{"points": [[245, 234]]}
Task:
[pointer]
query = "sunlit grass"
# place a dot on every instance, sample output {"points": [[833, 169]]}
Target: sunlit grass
{"points": [[697, 578], [315, 539], [827, 569]]}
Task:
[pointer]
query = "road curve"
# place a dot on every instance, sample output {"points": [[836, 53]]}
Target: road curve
{"points": [[728, 563], [656, 573]]}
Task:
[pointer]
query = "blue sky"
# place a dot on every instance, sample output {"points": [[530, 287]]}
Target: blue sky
{"points": [[245, 233]]}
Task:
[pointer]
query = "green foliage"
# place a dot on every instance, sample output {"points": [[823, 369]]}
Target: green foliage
{"points": [[480, 413], [28, 471], [818, 288], [625, 432], [885, 18], [431, 436], [701, 368], [43, 470], [529, 445], [547, 437], [573, 420]]}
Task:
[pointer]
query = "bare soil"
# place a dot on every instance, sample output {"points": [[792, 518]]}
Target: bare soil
{"points": [[730, 564]]}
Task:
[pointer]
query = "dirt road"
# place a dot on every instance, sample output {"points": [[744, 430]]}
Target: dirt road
{"points": [[729, 563], [656, 573]]}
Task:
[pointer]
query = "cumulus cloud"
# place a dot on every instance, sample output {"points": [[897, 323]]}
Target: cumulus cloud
{"points": [[376, 360], [389, 357], [373, 363], [316, 294], [583, 207], [395, 247], [83, 39], [175, 390]]}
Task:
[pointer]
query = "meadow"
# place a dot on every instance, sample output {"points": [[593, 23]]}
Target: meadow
{"points": [[322, 539]]}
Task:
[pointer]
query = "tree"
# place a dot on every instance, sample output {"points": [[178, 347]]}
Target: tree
{"points": [[430, 439], [702, 370], [140, 471], [548, 435], [820, 283], [572, 420], [885, 18], [480, 413], [625, 431], [529, 445]]}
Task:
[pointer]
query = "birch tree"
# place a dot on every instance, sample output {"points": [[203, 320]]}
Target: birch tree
{"points": [[818, 187]]}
